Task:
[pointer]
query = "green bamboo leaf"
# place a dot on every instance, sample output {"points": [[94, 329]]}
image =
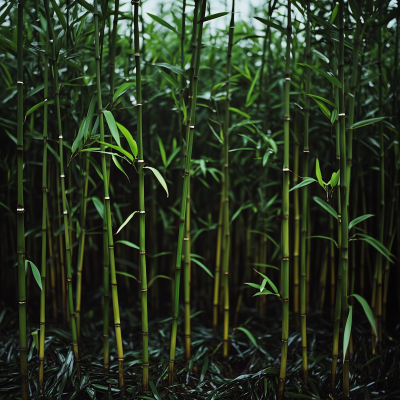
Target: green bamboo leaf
{"points": [[95, 166], [347, 331], [35, 338], [86, 5], [172, 68], [112, 126], [359, 219], [325, 206], [334, 13], [367, 310], [159, 178], [366, 122], [335, 178], [60, 14], [163, 23], [250, 92], [318, 173], [35, 272], [172, 156], [125, 222], [265, 265], [262, 286], [320, 55], [126, 274], [265, 292], [324, 237], [204, 368], [122, 89], [200, 264], [305, 182], [35, 107], [249, 335], [118, 148], [158, 276], [377, 245], [242, 207], [129, 244], [99, 206], [242, 113], [129, 138], [334, 116], [272, 24], [322, 98], [213, 16], [323, 108], [162, 151], [154, 390], [332, 79], [118, 165], [269, 281], [253, 285], [79, 137], [34, 91]]}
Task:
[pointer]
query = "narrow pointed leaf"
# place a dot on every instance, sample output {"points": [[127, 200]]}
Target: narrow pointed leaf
{"points": [[112, 126], [60, 14], [126, 274], [305, 182], [118, 165], [272, 24], [334, 13], [318, 173], [200, 264], [347, 331], [122, 89], [159, 178], [367, 310], [377, 245], [326, 206], [129, 244], [335, 178], [162, 151], [269, 281], [366, 122], [125, 222], [35, 272], [359, 219], [324, 237], [118, 148], [129, 138], [322, 99], [158, 276], [163, 23], [99, 206], [214, 16], [249, 335], [332, 79]]}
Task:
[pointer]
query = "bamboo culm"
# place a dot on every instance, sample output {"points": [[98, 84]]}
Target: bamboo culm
{"points": [[190, 130], [285, 215]]}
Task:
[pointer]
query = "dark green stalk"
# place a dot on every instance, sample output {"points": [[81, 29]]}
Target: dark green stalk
{"points": [[304, 213], [182, 79], [190, 131], [44, 219], [187, 274], [107, 209], [113, 48], [20, 206], [142, 212], [217, 265], [227, 241], [285, 215], [56, 89]]}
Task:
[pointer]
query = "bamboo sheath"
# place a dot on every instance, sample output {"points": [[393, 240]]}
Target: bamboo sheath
{"points": [[196, 45], [285, 215], [20, 208]]}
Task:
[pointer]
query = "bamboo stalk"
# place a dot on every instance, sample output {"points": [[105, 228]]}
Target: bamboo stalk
{"points": [[20, 207], [44, 220], [227, 241], [107, 211], [217, 267], [285, 215], [187, 278], [56, 89], [196, 45]]}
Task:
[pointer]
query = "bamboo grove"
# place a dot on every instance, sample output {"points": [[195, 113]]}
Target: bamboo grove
{"points": [[218, 212]]}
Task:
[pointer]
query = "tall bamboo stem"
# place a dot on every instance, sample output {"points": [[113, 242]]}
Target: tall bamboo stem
{"points": [[285, 215]]}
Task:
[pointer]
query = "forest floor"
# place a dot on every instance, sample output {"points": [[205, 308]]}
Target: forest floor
{"points": [[251, 371]]}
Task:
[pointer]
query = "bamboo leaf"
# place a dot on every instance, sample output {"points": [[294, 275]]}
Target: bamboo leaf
{"points": [[163, 23], [334, 116], [242, 113], [125, 222], [126, 274], [335, 178], [200, 264], [253, 285], [263, 283], [332, 79], [34, 91], [35, 272], [162, 151], [324, 237], [320, 55], [213, 16], [172, 156], [334, 13], [272, 24], [377, 245], [159, 178], [129, 138], [242, 207], [204, 368], [35, 107], [265, 292], [118, 148], [96, 167], [158, 276], [318, 173], [172, 68], [60, 14], [250, 92], [129, 244], [86, 5], [322, 98], [367, 310], [112, 126], [154, 390], [122, 89], [326, 206], [99, 206], [366, 122], [118, 165], [35, 337], [359, 219], [265, 265], [323, 108], [305, 182], [347, 331], [269, 281], [249, 335]]}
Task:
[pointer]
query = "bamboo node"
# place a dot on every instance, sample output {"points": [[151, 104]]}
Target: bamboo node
{"points": [[113, 284], [97, 58], [22, 349], [145, 333], [65, 212], [62, 176], [117, 325], [137, 54], [306, 151], [107, 198], [286, 217], [20, 83], [110, 247], [142, 212], [171, 361], [140, 161], [22, 302], [226, 309], [342, 114], [142, 252], [185, 238], [285, 258], [187, 302], [20, 148], [45, 138], [285, 300], [187, 336], [69, 279], [120, 359], [143, 290], [175, 318], [195, 77], [286, 118], [287, 79], [285, 340], [60, 137], [304, 348], [145, 365], [334, 357], [191, 126], [20, 210], [303, 315], [138, 104], [303, 277], [226, 273]]}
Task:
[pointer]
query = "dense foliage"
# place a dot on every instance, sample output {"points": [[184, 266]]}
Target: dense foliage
{"points": [[151, 247]]}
